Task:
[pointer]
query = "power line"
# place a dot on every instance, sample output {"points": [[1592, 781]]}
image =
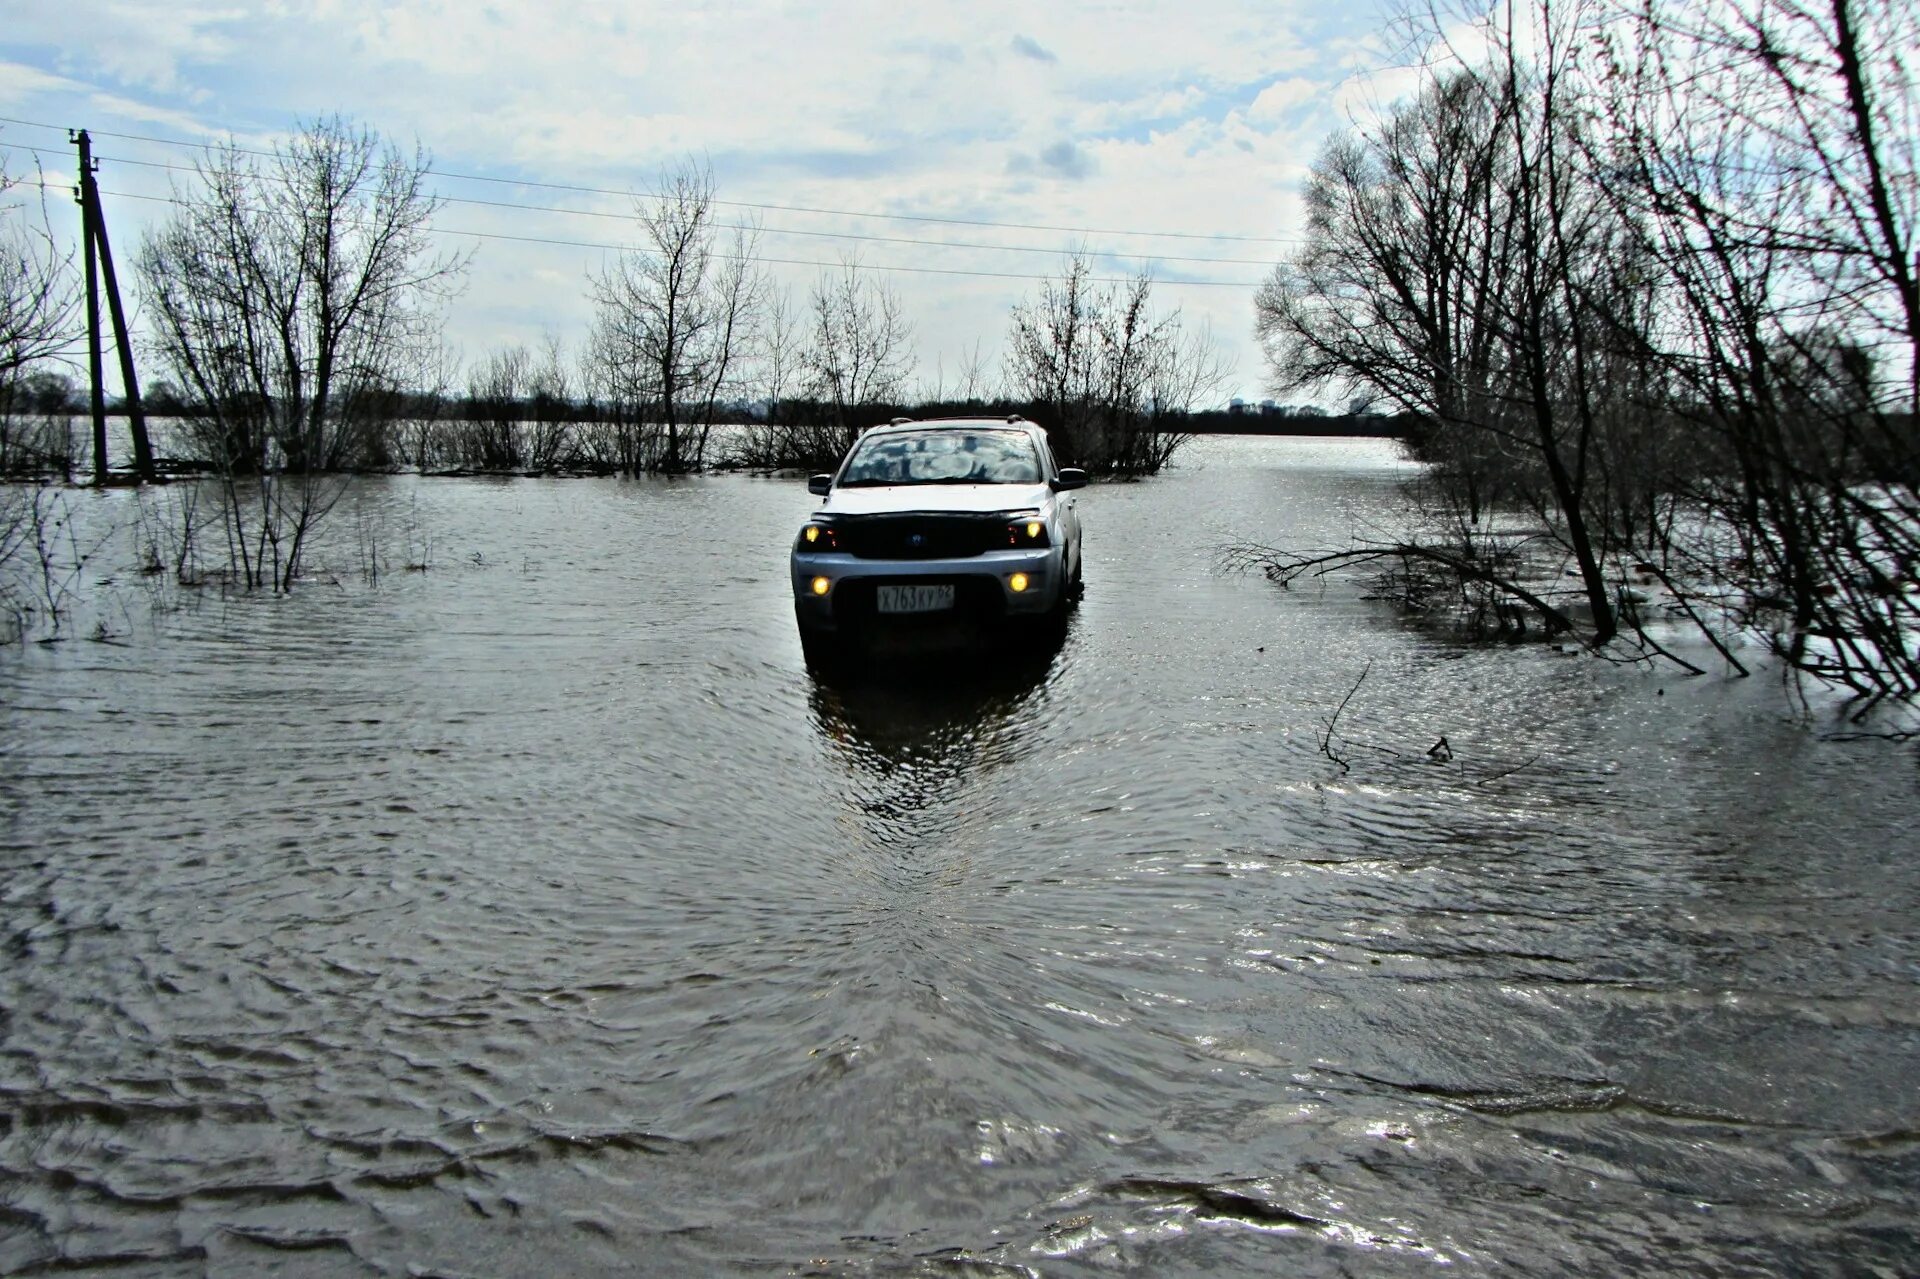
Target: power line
{"points": [[857, 266], [46, 185], [736, 226], [736, 204]]}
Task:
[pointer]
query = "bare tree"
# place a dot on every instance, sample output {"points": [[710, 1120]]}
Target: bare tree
{"points": [[674, 323], [860, 348], [1115, 377], [781, 354], [1396, 291], [550, 406], [1645, 270], [496, 397], [1191, 372], [425, 436], [1460, 261], [778, 364], [1052, 352], [1770, 160], [38, 301], [976, 381], [294, 298]]}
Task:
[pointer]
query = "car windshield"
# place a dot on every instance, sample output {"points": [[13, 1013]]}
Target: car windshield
{"points": [[945, 456]]}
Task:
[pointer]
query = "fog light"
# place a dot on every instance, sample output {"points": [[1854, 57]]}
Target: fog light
{"points": [[821, 586], [1018, 582]]}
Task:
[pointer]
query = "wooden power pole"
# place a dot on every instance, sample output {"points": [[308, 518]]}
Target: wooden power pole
{"points": [[93, 309], [93, 227]]}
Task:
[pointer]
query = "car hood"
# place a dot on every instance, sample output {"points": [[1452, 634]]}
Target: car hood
{"points": [[964, 499]]}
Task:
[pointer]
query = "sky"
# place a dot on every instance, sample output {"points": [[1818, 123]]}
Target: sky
{"points": [[959, 152]]}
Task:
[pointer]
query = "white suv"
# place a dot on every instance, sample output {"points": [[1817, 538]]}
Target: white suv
{"points": [[939, 520]]}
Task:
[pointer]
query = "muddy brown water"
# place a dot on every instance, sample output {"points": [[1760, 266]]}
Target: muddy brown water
{"points": [[541, 913]]}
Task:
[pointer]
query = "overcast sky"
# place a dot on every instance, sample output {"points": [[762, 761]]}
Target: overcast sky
{"points": [[1140, 131]]}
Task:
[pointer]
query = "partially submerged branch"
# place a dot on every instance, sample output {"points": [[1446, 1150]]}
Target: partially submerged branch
{"points": [[1326, 738], [1685, 602], [1440, 754], [1285, 567]]}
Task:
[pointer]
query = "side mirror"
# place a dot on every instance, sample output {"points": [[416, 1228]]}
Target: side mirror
{"points": [[1071, 477], [819, 484]]}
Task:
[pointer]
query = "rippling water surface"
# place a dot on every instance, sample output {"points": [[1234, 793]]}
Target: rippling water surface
{"points": [[542, 913]]}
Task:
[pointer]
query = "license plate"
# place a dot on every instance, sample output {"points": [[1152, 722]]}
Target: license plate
{"points": [[915, 599]]}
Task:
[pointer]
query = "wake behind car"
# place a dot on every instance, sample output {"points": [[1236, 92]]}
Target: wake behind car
{"points": [[954, 519]]}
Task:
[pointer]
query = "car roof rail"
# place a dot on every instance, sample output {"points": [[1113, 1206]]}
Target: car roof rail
{"points": [[897, 421]]}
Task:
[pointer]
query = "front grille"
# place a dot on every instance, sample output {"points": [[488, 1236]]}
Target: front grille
{"points": [[920, 537]]}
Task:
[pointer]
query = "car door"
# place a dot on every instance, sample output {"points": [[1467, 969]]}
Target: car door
{"points": [[1066, 508]]}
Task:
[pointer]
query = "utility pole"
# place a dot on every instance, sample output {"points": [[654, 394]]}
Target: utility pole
{"points": [[93, 308], [94, 228]]}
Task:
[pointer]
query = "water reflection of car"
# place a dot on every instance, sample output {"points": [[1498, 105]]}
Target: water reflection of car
{"points": [[914, 734], [949, 520], [925, 713]]}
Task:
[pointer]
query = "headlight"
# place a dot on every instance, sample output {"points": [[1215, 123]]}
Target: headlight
{"points": [[817, 537], [1027, 530]]}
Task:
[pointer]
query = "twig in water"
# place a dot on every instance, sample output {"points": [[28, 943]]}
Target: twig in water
{"points": [[1326, 739], [1686, 604], [1507, 772], [1654, 645]]}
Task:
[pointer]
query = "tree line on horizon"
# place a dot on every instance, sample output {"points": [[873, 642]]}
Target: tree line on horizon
{"points": [[528, 397]]}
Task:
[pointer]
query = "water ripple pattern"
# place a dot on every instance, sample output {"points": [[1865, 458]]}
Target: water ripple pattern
{"points": [[543, 913]]}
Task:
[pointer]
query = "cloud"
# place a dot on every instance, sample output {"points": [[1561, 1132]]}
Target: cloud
{"points": [[1067, 160], [1059, 159], [1028, 47], [154, 47], [20, 83], [1282, 98], [124, 108], [1197, 118]]}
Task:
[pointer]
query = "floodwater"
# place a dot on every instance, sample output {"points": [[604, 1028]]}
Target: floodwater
{"points": [[540, 913]]}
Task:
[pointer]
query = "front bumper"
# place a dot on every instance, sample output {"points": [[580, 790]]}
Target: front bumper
{"points": [[982, 583]]}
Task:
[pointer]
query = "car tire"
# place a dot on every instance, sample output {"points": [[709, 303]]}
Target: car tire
{"points": [[816, 645], [1056, 615]]}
